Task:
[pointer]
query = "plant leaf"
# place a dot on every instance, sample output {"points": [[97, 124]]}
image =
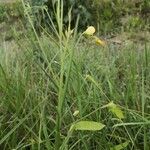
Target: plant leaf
{"points": [[88, 125], [115, 110], [120, 146]]}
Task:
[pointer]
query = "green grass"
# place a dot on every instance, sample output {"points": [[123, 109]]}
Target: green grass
{"points": [[45, 80]]}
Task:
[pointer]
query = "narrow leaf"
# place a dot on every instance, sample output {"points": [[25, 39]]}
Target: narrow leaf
{"points": [[120, 146]]}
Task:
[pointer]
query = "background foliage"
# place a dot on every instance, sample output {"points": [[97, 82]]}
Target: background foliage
{"points": [[106, 15]]}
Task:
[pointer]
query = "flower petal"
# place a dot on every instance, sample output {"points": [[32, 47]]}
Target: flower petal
{"points": [[90, 30]]}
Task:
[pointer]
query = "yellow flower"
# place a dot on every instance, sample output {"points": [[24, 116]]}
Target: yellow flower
{"points": [[99, 42], [90, 30]]}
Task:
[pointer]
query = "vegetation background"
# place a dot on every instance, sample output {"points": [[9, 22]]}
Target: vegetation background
{"points": [[60, 88]]}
